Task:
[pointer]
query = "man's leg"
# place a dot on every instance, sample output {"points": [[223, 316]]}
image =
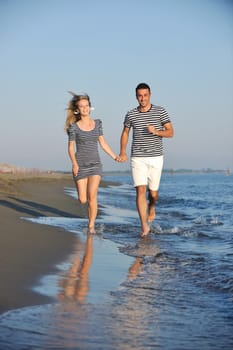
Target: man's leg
{"points": [[155, 171], [142, 207], [152, 197]]}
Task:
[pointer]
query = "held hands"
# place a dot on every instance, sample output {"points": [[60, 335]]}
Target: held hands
{"points": [[121, 158]]}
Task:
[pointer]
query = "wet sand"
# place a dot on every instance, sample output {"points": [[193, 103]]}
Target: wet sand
{"points": [[29, 251]]}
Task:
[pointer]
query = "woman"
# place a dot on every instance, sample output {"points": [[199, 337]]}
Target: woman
{"points": [[84, 134]]}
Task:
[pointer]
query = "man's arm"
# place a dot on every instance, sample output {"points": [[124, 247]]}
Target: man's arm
{"points": [[123, 143], [167, 132]]}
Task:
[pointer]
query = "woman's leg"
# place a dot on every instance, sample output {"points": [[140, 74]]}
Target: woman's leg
{"points": [[92, 192], [81, 186]]}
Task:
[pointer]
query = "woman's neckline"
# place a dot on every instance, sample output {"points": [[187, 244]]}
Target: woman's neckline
{"points": [[88, 129]]}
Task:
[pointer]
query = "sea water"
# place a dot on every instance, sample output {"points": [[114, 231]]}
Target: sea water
{"points": [[178, 289]]}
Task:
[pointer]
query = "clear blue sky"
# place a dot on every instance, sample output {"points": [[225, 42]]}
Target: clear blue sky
{"points": [[182, 48]]}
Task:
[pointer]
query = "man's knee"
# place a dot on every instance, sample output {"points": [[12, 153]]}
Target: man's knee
{"points": [[153, 196], [141, 190]]}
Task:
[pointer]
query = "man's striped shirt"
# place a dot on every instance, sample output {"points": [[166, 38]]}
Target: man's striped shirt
{"points": [[145, 144]]}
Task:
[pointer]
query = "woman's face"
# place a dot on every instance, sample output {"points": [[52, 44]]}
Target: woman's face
{"points": [[83, 107]]}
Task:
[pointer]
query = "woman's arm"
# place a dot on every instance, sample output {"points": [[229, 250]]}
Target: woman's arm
{"points": [[106, 148], [71, 152]]}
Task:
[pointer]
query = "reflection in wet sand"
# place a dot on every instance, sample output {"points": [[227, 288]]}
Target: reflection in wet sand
{"points": [[135, 312], [135, 269], [75, 317], [75, 284], [125, 321], [125, 318]]}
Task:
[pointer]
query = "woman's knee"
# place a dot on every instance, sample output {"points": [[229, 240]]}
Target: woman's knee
{"points": [[82, 200]]}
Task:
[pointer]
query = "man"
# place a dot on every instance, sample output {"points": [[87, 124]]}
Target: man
{"points": [[150, 124]]}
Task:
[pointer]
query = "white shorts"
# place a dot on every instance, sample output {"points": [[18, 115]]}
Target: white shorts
{"points": [[147, 171]]}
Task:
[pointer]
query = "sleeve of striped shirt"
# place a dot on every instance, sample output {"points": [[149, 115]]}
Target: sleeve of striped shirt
{"points": [[164, 116], [127, 122], [100, 127], [71, 132]]}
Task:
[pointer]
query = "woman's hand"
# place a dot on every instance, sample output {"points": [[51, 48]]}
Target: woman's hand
{"points": [[75, 169]]}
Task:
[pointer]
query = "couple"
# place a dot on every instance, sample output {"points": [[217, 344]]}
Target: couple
{"points": [[150, 123]]}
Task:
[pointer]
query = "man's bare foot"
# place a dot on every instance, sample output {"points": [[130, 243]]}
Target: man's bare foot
{"points": [[91, 230], [145, 232], [152, 214]]}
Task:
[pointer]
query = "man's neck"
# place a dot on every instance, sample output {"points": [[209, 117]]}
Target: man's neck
{"points": [[144, 109]]}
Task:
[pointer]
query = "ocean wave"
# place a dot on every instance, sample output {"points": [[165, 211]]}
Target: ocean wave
{"points": [[207, 220]]}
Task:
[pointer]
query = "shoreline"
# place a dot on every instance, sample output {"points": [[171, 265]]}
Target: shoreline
{"points": [[28, 250]]}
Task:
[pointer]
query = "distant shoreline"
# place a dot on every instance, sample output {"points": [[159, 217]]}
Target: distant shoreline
{"points": [[178, 171], [15, 170]]}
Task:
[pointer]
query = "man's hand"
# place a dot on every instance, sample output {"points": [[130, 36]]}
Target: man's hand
{"points": [[122, 157], [152, 129]]}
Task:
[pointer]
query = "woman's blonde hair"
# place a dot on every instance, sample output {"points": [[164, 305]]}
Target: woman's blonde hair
{"points": [[72, 112]]}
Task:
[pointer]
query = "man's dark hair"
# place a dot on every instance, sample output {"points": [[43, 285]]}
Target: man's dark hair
{"points": [[142, 86]]}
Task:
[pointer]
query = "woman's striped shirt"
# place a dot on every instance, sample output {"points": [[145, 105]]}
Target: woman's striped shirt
{"points": [[86, 143], [145, 144]]}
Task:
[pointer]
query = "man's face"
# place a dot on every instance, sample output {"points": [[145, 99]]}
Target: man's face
{"points": [[143, 97]]}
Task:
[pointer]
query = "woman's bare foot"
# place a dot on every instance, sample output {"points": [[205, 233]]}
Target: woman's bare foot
{"points": [[146, 231]]}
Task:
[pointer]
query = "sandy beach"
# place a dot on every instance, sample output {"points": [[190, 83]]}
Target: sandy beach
{"points": [[28, 250]]}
